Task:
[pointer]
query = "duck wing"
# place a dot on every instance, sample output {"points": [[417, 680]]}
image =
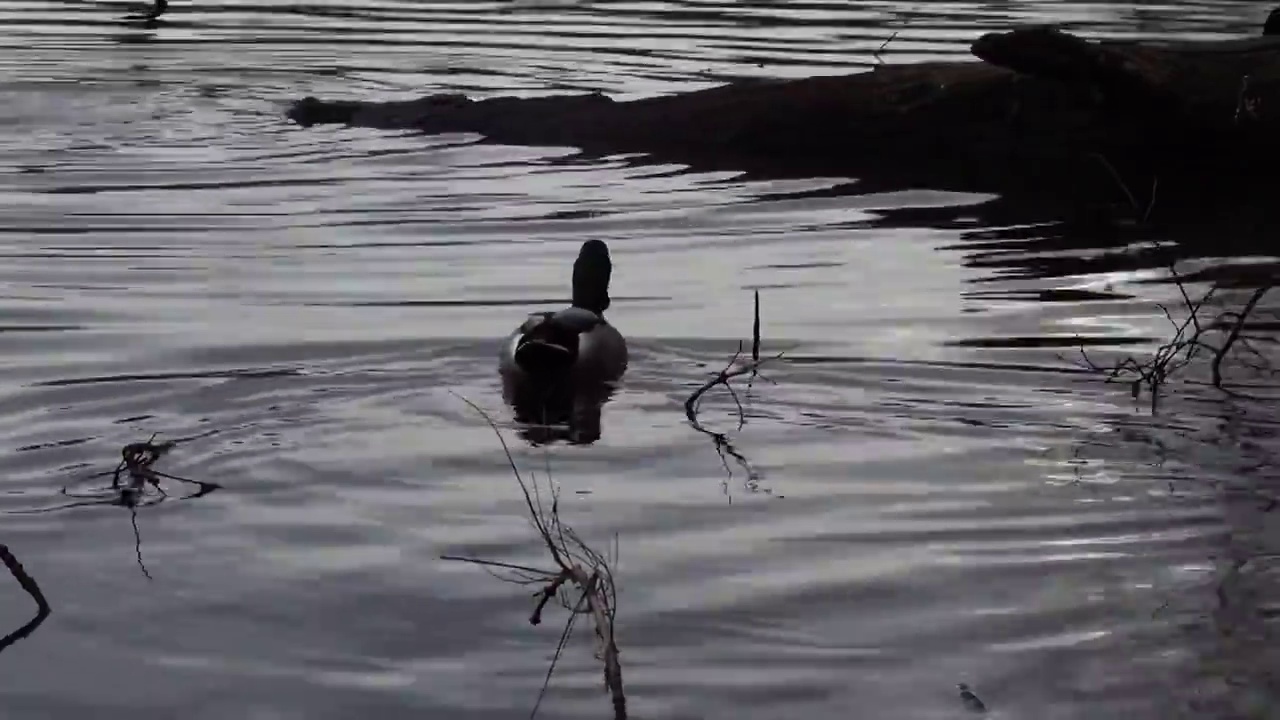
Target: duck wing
{"points": [[575, 319]]}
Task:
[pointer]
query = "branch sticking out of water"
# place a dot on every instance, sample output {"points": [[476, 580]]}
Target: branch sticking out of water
{"points": [[733, 369], [576, 565], [1189, 341], [136, 460], [130, 481], [28, 584], [1140, 215], [136, 464], [883, 45]]}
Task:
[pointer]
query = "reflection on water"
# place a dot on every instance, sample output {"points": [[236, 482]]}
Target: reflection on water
{"points": [[569, 411], [934, 496]]}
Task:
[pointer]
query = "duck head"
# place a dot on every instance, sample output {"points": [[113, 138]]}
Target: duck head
{"points": [[591, 273]]}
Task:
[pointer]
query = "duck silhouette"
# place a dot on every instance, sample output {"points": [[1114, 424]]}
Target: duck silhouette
{"points": [[576, 343], [558, 367]]}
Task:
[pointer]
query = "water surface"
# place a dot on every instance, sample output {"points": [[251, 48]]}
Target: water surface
{"points": [[940, 496]]}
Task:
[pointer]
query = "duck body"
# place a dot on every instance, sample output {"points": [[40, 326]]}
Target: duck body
{"points": [[576, 343], [573, 343]]}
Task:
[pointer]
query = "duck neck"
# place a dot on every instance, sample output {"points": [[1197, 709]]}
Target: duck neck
{"points": [[591, 273], [595, 302], [590, 291]]}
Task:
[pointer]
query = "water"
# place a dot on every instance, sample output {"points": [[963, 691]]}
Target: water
{"points": [[941, 497]]}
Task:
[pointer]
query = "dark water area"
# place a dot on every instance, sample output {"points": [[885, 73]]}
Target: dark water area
{"points": [[941, 495]]}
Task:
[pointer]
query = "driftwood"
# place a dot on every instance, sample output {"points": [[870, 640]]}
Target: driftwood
{"points": [[1043, 109]]}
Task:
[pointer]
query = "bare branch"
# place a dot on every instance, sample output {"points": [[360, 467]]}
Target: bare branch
{"points": [[492, 563], [1234, 334], [579, 565], [1188, 342], [883, 45], [28, 584]]}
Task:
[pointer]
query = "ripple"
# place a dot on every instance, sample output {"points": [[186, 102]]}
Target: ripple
{"points": [[939, 495]]}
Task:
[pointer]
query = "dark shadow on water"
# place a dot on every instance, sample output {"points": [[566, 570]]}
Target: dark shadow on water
{"points": [[137, 37], [565, 412], [1036, 238], [1020, 247], [1038, 235], [1227, 618]]}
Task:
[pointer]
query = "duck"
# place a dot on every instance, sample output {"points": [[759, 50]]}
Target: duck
{"points": [[576, 343], [152, 14]]}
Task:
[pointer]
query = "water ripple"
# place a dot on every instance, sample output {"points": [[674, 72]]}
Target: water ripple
{"points": [[939, 495]]}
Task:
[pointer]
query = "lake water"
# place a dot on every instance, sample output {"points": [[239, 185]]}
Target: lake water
{"points": [[940, 496]]}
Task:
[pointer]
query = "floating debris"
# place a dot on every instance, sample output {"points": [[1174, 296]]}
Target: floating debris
{"points": [[135, 484]]}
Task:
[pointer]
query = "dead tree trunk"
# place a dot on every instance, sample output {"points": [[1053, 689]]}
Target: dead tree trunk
{"points": [[1043, 108]]}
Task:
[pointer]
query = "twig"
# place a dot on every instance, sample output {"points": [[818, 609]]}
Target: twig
{"points": [[577, 564], [884, 45], [755, 331], [28, 584], [491, 563], [130, 481], [1246, 104], [1139, 213], [1188, 341], [137, 542], [733, 369], [1234, 334], [560, 644]]}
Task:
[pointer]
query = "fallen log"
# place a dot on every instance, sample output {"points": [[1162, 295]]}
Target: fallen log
{"points": [[1041, 109]]}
